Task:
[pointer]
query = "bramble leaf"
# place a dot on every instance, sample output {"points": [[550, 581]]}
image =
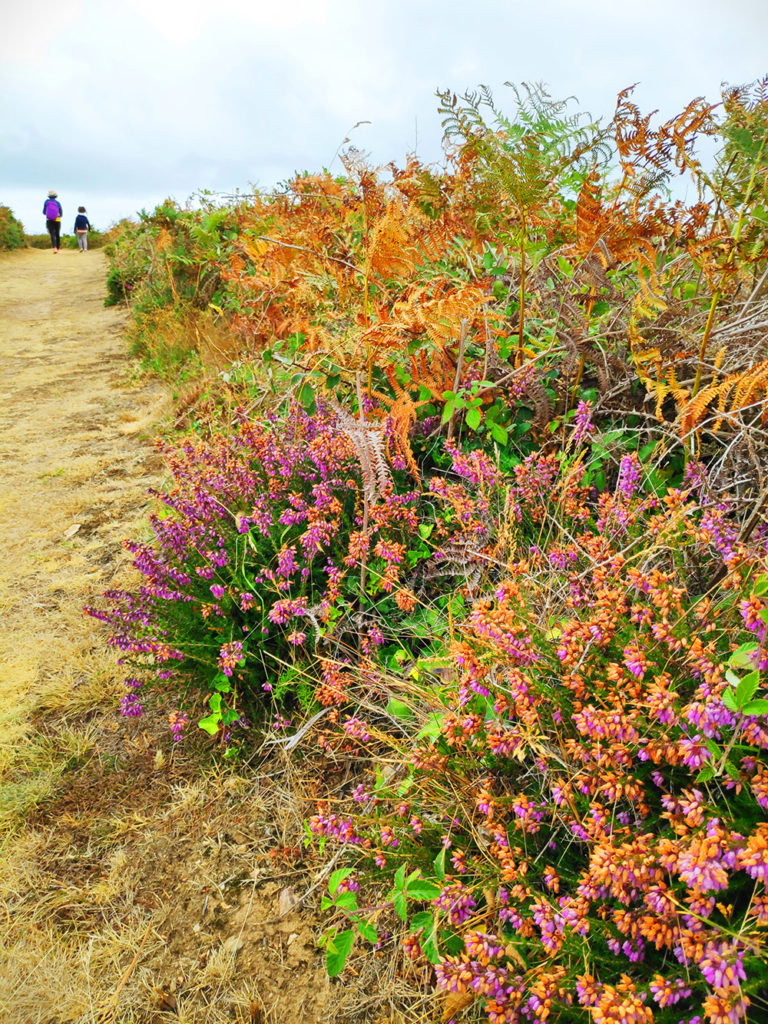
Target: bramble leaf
{"points": [[338, 949]]}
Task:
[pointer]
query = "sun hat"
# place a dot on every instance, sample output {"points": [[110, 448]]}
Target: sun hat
{"points": [[53, 194]]}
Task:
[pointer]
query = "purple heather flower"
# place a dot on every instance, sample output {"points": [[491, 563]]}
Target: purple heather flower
{"points": [[583, 422], [630, 475], [130, 706]]}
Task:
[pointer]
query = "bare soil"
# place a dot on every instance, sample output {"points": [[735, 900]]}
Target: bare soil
{"points": [[138, 881]]}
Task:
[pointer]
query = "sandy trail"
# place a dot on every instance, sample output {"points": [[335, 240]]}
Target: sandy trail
{"points": [[74, 466], [118, 853]]}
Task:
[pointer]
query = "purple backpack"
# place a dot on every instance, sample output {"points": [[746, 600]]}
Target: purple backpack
{"points": [[52, 210]]}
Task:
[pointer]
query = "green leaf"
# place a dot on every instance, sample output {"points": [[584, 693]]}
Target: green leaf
{"points": [[646, 450], [398, 709], [744, 141], [745, 691], [346, 900], [439, 864], [229, 715], [367, 931], [755, 707], [424, 919], [421, 889], [400, 906], [706, 774], [337, 878], [565, 266], [432, 729], [337, 951], [742, 658], [761, 586], [307, 398], [210, 724], [729, 700], [732, 770], [473, 418], [400, 878], [499, 434], [425, 530]]}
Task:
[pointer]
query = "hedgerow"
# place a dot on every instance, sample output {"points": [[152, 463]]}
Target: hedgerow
{"points": [[483, 506], [11, 230]]}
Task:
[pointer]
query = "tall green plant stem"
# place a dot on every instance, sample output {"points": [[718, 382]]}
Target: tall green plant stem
{"points": [[519, 355]]}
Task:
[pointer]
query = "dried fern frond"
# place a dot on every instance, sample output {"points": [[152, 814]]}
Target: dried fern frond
{"points": [[390, 251], [370, 444], [403, 411], [736, 392]]}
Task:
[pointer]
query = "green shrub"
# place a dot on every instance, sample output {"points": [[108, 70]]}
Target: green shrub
{"points": [[11, 230]]}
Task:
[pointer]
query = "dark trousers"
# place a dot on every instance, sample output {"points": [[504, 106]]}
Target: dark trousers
{"points": [[54, 230]]}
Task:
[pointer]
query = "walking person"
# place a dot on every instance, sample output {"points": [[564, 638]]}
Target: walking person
{"points": [[53, 212], [82, 227]]}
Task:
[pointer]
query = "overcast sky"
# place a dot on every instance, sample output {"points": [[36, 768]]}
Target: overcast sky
{"points": [[119, 103]]}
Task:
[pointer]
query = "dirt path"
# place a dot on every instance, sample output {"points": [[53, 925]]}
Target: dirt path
{"points": [[74, 466], [138, 883]]}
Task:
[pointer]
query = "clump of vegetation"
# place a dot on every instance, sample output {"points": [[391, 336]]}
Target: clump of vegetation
{"points": [[11, 230], [499, 538], [96, 239]]}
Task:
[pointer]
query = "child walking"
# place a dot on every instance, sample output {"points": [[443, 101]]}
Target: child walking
{"points": [[82, 227], [53, 212]]}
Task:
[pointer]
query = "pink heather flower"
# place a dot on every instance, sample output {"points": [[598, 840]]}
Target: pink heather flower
{"points": [[482, 946], [229, 656], [695, 751], [356, 728], [475, 467], [177, 720], [667, 992], [390, 551], [630, 475], [583, 423], [388, 837], [283, 610], [218, 591], [722, 965], [635, 660], [296, 637], [349, 884], [286, 562], [457, 902], [130, 706]]}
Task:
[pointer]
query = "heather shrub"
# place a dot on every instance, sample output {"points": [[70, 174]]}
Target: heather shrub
{"points": [[576, 829], [285, 557], [11, 230]]}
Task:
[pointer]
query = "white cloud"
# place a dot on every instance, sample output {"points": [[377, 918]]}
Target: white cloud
{"points": [[139, 98]]}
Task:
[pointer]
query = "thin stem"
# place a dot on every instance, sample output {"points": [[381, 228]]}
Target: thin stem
{"points": [[519, 355]]}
